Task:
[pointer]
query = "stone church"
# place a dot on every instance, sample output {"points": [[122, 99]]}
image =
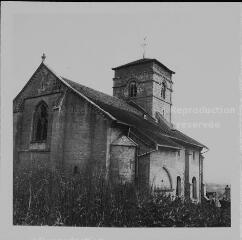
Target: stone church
{"points": [[61, 124]]}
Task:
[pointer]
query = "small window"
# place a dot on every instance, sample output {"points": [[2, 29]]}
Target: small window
{"points": [[178, 153], [132, 89], [40, 123], [178, 186], [163, 90], [194, 188]]}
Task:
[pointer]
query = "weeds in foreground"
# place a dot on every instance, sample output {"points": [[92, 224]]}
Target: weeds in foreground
{"points": [[41, 197]]}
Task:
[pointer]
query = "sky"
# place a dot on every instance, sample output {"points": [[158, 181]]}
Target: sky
{"points": [[200, 42]]}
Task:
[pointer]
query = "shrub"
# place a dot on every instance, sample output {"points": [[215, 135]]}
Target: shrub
{"points": [[42, 197]]}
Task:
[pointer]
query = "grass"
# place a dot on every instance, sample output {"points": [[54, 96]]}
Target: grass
{"points": [[42, 197]]}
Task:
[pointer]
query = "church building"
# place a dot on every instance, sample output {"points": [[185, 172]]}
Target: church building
{"points": [[62, 124]]}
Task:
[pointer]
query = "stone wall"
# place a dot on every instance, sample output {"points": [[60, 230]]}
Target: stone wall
{"points": [[149, 78], [143, 171], [43, 86], [142, 74], [43, 82], [194, 172], [167, 164], [77, 131], [159, 103], [26, 149], [193, 169], [123, 152], [144, 148], [85, 137], [175, 165], [122, 163]]}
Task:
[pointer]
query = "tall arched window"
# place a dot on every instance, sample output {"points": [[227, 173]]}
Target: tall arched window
{"points": [[194, 187], [132, 89], [163, 90], [178, 186], [40, 122]]}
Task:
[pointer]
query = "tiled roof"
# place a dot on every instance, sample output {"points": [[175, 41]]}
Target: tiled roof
{"points": [[143, 60], [159, 132], [101, 98]]}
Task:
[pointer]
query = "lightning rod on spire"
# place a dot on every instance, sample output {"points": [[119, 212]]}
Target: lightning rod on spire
{"points": [[144, 44]]}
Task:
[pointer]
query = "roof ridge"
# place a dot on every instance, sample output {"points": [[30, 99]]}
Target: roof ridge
{"points": [[81, 85]]}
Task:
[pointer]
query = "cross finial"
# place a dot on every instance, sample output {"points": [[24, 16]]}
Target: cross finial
{"points": [[43, 57], [144, 44]]}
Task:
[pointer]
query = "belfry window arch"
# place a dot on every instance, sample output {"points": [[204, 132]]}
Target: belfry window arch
{"points": [[40, 122], [132, 89], [163, 90]]}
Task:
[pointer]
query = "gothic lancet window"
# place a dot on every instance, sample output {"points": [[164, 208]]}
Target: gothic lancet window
{"points": [[40, 123], [163, 90], [132, 89]]}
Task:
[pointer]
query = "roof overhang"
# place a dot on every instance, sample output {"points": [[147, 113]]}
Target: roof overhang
{"points": [[142, 61], [168, 146]]}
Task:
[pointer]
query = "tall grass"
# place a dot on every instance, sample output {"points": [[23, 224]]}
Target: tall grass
{"points": [[42, 197]]}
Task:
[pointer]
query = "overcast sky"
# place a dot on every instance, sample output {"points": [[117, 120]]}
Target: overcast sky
{"points": [[200, 42]]}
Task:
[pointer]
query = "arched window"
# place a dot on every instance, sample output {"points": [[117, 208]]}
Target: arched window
{"points": [[178, 186], [194, 187], [132, 89], [163, 90], [40, 122]]}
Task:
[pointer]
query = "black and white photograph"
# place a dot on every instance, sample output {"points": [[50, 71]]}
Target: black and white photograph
{"points": [[120, 120]]}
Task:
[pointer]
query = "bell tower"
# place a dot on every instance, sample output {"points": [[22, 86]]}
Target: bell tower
{"points": [[148, 83]]}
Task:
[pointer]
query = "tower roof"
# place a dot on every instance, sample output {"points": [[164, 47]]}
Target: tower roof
{"points": [[144, 60]]}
